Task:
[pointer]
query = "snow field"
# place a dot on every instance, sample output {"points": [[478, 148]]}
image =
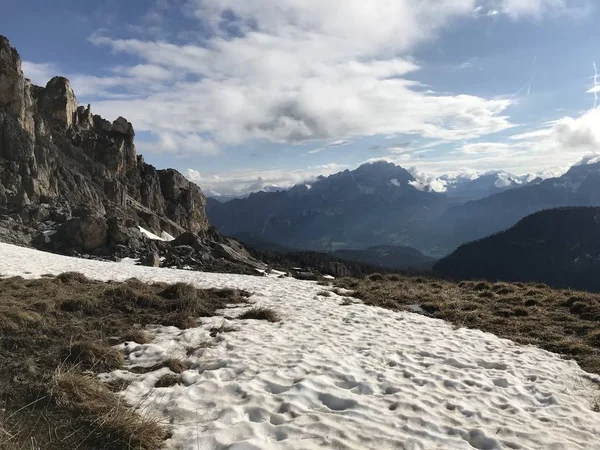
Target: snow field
{"points": [[347, 377]]}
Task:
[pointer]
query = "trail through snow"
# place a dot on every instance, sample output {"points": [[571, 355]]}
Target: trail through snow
{"points": [[345, 377]]}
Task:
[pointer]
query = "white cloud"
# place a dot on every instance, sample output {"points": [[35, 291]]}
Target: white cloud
{"points": [[592, 158], [242, 182], [338, 143], [179, 143], [426, 182], [581, 134], [485, 148], [544, 132], [295, 71], [537, 8], [39, 73]]}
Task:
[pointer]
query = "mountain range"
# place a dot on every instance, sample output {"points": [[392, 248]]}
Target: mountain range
{"points": [[379, 204], [372, 205]]}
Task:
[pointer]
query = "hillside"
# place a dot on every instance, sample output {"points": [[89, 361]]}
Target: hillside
{"points": [[560, 247], [389, 257], [369, 260]]}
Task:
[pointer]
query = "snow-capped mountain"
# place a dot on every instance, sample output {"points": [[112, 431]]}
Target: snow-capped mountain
{"points": [[476, 186]]}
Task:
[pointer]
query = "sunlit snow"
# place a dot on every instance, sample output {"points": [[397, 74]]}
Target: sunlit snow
{"points": [[346, 377]]}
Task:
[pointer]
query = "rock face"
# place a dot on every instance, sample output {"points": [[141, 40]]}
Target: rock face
{"points": [[54, 152]]}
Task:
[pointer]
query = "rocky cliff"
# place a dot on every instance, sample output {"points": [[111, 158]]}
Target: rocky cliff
{"points": [[56, 156]]}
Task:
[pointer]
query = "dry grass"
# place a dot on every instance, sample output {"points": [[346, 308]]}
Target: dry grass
{"points": [[261, 313], [167, 380], [56, 333], [324, 293], [561, 321]]}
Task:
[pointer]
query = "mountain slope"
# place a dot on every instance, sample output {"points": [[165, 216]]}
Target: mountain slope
{"points": [[580, 186], [372, 205], [559, 247]]}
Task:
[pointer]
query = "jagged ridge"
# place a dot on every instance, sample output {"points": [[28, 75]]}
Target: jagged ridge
{"points": [[53, 151]]}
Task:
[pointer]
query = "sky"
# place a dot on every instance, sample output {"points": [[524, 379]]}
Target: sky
{"points": [[239, 95]]}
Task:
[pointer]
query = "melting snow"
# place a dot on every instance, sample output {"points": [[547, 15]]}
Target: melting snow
{"points": [[351, 377]]}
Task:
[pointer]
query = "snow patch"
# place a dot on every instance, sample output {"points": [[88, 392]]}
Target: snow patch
{"points": [[164, 236]]}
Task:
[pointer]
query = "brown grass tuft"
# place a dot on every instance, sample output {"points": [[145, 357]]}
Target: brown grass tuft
{"points": [[72, 277], [261, 313], [94, 355], [167, 380], [101, 415]]}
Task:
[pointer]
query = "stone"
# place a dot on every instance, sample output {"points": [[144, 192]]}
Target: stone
{"points": [[189, 239], [122, 126], [84, 234], [152, 259], [183, 251]]}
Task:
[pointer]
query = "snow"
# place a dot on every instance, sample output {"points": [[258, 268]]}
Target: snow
{"points": [[164, 236], [47, 235], [348, 377]]}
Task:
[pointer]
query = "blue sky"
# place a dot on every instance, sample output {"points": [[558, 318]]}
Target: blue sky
{"points": [[238, 95]]}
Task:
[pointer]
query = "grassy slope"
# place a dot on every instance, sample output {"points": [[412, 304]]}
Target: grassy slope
{"points": [[56, 334]]}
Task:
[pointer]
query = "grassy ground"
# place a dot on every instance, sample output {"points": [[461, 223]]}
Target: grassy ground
{"points": [[57, 333], [561, 321]]}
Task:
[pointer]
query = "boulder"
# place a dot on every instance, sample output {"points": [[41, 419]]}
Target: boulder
{"points": [[189, 239], [121, 234], [84, 234], [152, 259]]}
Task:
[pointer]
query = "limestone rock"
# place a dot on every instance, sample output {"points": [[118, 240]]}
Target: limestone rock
{"points": [[152, 260], [189, 239], [59, 102], [85, 234], [121, 125], [15, 95]]}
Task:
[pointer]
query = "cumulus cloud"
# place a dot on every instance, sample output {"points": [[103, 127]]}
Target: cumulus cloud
{"points": [[297, 71], [180, 143], [574, 135], [592, 158], [427, 182]]}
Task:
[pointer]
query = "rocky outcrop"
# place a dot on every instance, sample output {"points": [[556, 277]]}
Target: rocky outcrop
{"points": [[53, 150], [15, 90], [72, 182]]}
